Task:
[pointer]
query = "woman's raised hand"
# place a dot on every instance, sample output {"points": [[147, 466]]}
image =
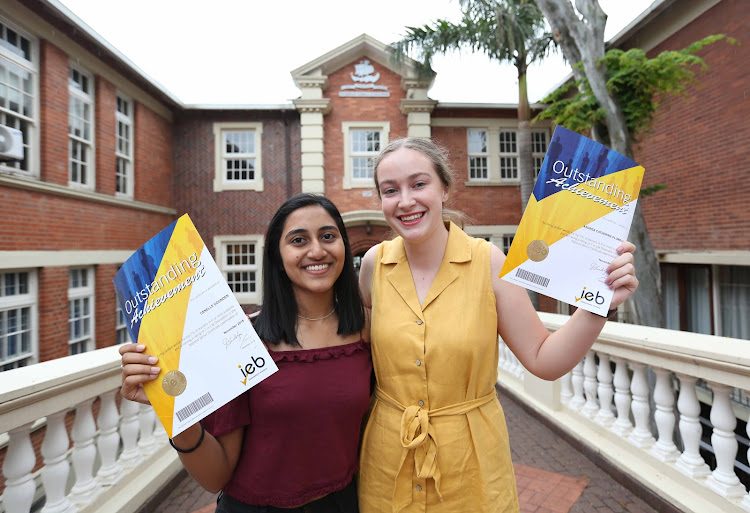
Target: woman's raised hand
{"points": [[137, 369], [621, 277]]}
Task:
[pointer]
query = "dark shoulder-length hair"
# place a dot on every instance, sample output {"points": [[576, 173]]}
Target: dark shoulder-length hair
{"points": [[277, 320]]}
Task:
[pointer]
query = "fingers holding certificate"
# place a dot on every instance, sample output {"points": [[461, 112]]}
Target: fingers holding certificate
{"points": [[622, 279]]}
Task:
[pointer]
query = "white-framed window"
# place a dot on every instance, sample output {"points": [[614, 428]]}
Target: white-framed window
{"points": [[362, 143], [478, 153], [80, 309], [121, 327], [238, 163], [81, 128], [19, 84], [508, 152], [124, 146], [507, 241], [239, 257], [18, 319], [539, 144]]}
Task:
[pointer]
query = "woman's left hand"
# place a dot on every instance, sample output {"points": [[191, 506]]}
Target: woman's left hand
{"points": [[621, 277]]}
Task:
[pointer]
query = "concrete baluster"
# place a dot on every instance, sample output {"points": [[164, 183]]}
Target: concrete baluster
{"points": [[641, 434], [746, 499], [589, 386], [604, 417], [56, 467], [109, 440], [146, 418], [576, 381], [664, 449], [19, 463], [566, 391], [130, 456], [85, 488], [622, 426], [690, 462], [723, 479]]}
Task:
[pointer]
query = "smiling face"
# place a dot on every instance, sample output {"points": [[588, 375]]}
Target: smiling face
{"points": [[312, 250], [412, 194]]}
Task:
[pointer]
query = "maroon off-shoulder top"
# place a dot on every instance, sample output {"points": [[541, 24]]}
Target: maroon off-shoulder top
{"points": [[302, 426]]}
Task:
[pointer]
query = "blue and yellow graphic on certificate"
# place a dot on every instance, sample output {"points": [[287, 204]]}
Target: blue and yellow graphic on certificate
{"points": [[579, 212], [176, 301]]}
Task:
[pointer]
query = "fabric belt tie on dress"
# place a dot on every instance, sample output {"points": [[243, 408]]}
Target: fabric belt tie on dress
{"points": [[418, 435]]}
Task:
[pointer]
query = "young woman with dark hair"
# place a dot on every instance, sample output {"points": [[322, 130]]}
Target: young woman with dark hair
{"points": [[289, 443]]}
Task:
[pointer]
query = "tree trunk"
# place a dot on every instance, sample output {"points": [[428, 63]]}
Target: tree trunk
{"points": [[582, 40], [525, 158]]}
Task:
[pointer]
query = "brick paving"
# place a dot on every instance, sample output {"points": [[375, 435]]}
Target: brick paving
{"points": [[552, 476]]}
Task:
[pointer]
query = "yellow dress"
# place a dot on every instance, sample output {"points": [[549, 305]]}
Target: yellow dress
{"points": [[436, 439]]}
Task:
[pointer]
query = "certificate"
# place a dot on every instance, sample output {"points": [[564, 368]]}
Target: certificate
{"points": [[579, 212], [176, 301]]}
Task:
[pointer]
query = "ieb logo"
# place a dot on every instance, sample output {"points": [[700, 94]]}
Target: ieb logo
{"points": [[250, 368], [589, 296]]}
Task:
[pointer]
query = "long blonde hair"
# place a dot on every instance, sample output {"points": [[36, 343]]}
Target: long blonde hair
{"points": [[438, 155]]}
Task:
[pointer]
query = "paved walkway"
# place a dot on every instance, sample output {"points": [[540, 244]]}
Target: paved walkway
{"points": [[552, 476]]}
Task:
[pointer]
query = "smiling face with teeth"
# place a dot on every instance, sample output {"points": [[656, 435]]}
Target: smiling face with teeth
{"points": [[412, 194], [312, 250]]}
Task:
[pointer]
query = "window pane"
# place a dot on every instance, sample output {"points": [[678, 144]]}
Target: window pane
{"points": [[698, 299], [734, 301]]}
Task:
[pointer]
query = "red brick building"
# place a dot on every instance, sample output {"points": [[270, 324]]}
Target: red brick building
{"points": [[110, 158]]}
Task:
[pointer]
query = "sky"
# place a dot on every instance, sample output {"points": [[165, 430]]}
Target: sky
{"points": [[243, 51]]}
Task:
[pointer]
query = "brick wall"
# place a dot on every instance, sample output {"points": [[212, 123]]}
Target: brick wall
{"points": [[53, 110], [699, 144], [234, 212]]}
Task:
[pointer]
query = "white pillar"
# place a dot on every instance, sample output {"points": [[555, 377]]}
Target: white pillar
{"points": [[746, 499], [146, 418], [622, 425], [85, 488], [19, 463], [130, 456], [576, 381], [566, 390], [690, 462], [604, 417], [589, 386], [56, 467], [109, 440], [641, 434], [664, 449], [723, 479]]}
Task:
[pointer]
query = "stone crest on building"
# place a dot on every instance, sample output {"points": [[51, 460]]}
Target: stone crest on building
{"points": [[364, 78]]}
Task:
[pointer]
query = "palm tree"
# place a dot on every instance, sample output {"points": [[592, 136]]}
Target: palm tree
{"points": [[506, 30]]}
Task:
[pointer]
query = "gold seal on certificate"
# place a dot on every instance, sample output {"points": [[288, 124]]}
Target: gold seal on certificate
{"points": [[537, 250], [174, 383]]}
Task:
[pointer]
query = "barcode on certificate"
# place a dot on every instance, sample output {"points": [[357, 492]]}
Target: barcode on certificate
{"points": [[195, 406], [533, 278]]}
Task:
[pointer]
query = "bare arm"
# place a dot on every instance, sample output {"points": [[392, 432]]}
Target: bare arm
{"points": [[365, 276], [546, 355], [213, 462]]}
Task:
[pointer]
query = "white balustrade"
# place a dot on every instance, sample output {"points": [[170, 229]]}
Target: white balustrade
{"points": [[146, 419], [604, 417], [35, 401], [641, 441], [622, 426], [746, 498], [664, 449], [690, 462]]}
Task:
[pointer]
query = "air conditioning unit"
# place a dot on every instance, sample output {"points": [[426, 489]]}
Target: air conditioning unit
{"points": [[11, 144]]}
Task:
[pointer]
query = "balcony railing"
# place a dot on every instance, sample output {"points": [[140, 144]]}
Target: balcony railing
{"points": [[75, 398], [643, 417]]}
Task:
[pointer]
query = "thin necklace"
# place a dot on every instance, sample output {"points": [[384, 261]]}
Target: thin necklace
{"points": [[317, 318]]}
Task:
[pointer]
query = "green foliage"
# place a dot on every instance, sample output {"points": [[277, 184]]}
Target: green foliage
{"points": [[648, 191], [638, 83], [504, 30]]}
